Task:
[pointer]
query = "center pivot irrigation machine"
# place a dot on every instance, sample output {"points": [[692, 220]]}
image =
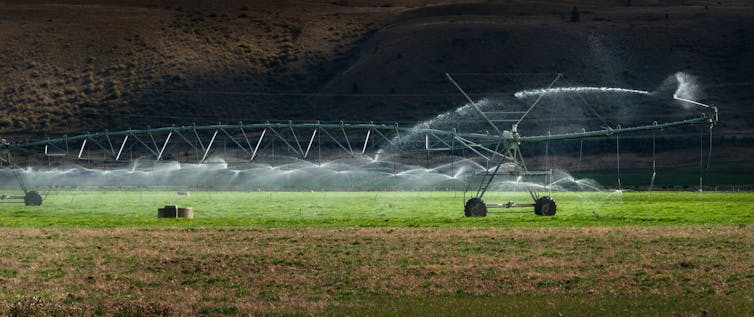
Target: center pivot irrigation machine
{"points": [[249, 143]]}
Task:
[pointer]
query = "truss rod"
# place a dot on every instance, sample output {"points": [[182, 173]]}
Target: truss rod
{"points": [[338, 143], [311, 141], [83, 145], [473, 104], [298, 143], [348, 142], [198, 138], [47, 152], [379, 128], [209, 147], [256, 148], [470, 143], [156, 147], [388, 140], [98, 144], [366, 141], [471, 147], [449, 147], [246, 138], [164, 145], [538, 99], [286, 142], [236, 141], [186, 139], [125, 139], [145, 145], [110, 143]]}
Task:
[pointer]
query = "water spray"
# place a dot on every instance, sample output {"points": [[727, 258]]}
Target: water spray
{"points": [[691, 101], [586, 90]]}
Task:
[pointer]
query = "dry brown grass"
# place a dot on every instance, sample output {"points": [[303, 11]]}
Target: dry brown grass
{"points": [[104, 53], [261, 270]]}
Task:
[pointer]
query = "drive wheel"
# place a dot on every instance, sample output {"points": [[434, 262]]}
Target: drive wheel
{"points": [[33, 198], [475, 207], [545, 206]]}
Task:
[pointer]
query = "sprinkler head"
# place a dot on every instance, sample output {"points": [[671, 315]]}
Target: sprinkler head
{"points": [[714, 118]]}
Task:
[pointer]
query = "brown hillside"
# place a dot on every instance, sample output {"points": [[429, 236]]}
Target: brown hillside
{"points": [[76, 66]]}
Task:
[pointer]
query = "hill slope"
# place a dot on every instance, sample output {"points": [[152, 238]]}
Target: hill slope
{"points": [[78, 66]]}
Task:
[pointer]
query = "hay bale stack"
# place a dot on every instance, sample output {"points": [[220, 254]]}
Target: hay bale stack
{"points": [[172, 211]]}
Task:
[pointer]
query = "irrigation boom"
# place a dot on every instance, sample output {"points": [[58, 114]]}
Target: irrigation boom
{"points": [[197, 143], [505, 136], [299, 138]]}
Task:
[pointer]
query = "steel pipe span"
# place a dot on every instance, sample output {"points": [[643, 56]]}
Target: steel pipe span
{"points": [[391, 129]]}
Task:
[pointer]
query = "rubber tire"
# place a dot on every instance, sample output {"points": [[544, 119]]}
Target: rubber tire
{"points": [[33, 198], [545, 206], [475, 207]]}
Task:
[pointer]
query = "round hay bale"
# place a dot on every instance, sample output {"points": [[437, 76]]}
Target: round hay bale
{"points": [[187, 212], [167, 212]]}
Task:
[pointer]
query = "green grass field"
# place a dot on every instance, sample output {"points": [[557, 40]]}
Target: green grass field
{"points": [[401, 209], [377, 254]]}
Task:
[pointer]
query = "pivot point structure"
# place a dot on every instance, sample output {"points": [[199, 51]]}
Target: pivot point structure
{"points": [[510, 161]]}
